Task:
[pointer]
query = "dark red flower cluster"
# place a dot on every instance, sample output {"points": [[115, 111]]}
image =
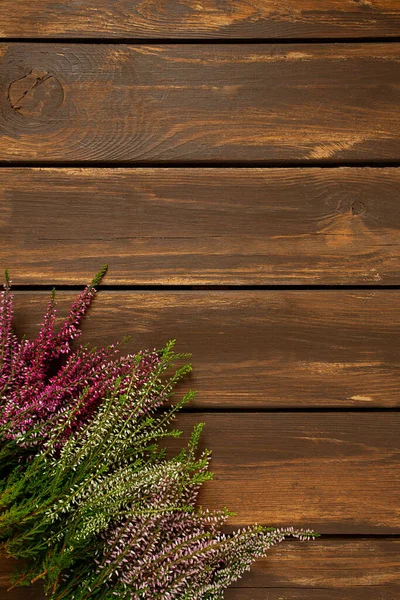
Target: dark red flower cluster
{"points": [[42, 379]]}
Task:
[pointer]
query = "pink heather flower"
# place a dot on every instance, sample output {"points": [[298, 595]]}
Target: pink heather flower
{"points": [[38, 389], [27, 393], [35, 385]]}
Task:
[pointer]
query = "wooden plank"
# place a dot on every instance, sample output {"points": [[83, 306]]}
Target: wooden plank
{"points": [[257, 349], [327, 570], [216, 102], [202, 19], [201, 226], [363, 593], [335, 472], [335, 564], [35, 592], [293, 570]]}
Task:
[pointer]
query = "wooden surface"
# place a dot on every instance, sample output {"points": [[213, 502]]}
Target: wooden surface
{"points": [[197, 163], [363, 593], [324, 570], [202, 226], [331, 563], [201, 19], [180, 102], [257, 349], [268, 469]]}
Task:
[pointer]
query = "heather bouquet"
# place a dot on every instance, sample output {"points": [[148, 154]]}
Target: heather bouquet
{"points": [[90, 500]]}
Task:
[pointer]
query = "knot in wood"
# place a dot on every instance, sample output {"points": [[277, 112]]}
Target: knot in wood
{"points": [[36, 94], [357, 208]]}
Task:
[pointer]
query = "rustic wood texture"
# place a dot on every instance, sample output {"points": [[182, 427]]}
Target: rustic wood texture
{"points": [[201, 226], [332, 564], [362, 593], [256, 349], [261, 19], [150, 104], [335, 472], [342, 568], [143, 103]]}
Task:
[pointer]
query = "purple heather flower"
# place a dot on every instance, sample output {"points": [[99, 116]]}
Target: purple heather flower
{"points": [[37, 388]]}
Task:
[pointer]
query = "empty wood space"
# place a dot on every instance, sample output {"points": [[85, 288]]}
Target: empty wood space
{"points": [[208, 19], [205, 102], [237, 165], [363, 593], [201, 226]]}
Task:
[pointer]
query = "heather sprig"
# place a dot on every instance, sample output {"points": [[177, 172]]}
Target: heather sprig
{"points": [[29, 395], [116, 443], [91, 499]]}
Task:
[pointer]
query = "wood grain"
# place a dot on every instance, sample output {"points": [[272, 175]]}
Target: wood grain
{"points": [[201, 226], [341, 564], [208, 103], [363, 593], [256, 349], [335, 472], [334, 568], [202, 19]]}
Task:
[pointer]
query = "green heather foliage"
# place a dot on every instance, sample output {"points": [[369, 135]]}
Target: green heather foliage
{"points": [[89, 499]]}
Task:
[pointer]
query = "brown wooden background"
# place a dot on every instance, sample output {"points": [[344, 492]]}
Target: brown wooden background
{"points": [[237, 165]]}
